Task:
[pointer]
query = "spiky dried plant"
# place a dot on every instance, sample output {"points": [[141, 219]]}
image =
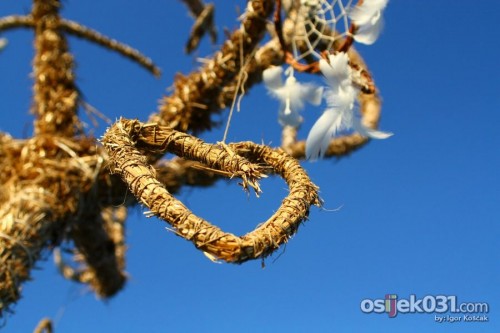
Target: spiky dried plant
{"points": [[65, 185]]}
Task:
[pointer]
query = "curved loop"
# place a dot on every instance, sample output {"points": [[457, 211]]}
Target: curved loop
{"points": [[123, 141]]}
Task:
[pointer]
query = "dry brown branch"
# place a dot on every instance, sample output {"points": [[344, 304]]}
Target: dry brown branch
{"points": [[194, 98], [81, 31], [55, 93], [16, 21], [100, 245], [41, 182], [66, 269], [126, 137], [44, 326], [125, 133], [100, 251], [204, 21]]}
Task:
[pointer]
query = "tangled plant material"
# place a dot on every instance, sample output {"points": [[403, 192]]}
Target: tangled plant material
{"points": [[56, 188], [126, 137]]}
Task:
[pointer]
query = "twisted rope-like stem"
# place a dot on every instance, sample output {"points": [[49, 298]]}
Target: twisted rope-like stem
{"points": [[81, 31], [100, 243], [132, 134], [204, 21], [44, 326], [126, 138], [55, 93], [41, 183], [194, 99]]}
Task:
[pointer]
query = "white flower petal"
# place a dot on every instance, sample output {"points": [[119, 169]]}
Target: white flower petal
{"points": [[272, 77], [321, 133]]}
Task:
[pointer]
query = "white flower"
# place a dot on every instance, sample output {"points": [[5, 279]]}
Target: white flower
{"points": [[291, 94], [368, 18], [340, 113]]}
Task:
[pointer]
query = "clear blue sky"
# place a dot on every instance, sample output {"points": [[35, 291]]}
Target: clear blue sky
{"points": [[419, 211]]}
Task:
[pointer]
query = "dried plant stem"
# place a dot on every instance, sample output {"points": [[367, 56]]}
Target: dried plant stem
{"points": [[125, 140], [195, 7], [204, 21], [53, 187], [24, 218], [161, 139], [81, 31], [194, 99], [44, 326], [55, 93], [100, 242], [16, 21], [41, 183]]}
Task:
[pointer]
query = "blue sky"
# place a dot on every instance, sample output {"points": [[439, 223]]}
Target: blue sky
{"points": [[418, 212]]}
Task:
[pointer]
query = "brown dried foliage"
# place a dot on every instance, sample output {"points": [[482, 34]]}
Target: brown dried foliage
{"points": [[57, 187], [126, 138]]}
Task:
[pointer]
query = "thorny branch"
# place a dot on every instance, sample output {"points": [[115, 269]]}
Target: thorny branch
{"points": [[56, 187]]}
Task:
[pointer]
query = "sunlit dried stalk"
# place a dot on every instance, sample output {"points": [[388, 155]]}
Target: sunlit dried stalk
{"points": [[46, 179], [55, 187], [100, 247], [81, 31], [36, 206], [44, 326], [193, 100], [55, 93], [100, 242], [119, 141], [204, 22], [124, 142]]}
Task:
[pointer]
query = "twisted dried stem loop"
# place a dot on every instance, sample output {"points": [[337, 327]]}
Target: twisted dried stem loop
{"points": [[124, 142]]}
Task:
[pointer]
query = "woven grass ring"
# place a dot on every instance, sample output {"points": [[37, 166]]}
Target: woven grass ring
{"points": [[127, 142]]}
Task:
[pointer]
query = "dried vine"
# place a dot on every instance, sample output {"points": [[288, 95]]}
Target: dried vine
{"points": [[64, 187]]}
